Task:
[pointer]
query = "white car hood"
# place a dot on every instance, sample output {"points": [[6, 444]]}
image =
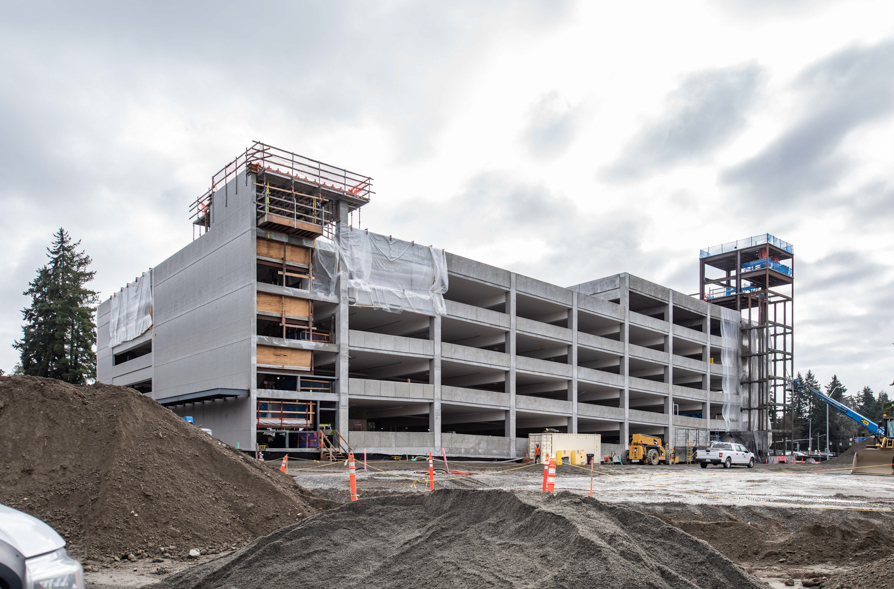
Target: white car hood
{"points": [[27, 534]]}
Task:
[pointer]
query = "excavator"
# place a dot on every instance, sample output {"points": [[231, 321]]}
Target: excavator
{"points": [[876, 459]]}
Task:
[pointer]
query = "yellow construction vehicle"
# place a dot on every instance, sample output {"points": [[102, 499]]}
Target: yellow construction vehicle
{"points": [[649, 450]]}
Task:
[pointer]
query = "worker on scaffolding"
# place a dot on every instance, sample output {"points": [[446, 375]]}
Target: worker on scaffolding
{"points": [[762, 254]]}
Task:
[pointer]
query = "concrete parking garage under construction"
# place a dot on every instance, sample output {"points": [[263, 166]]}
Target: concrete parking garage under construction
{"points": [[281, 320]]}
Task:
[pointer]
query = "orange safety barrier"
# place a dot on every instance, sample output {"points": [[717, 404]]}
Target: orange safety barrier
{"points": [[551, 481], [431, 473], [285, 464], [545, 471], [592, 460], [353, 474]]}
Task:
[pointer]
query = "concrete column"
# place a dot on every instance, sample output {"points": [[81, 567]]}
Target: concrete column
{"points": [[341, 333], [625, 361], [706, 413], [670, 370], [511, 417], [572, 360], [434, 378]]}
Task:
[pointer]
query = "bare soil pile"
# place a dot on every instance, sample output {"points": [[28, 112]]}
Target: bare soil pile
{"points": [[877, 575], [461, 539], [116, 474], [763, 536], [846, 458]]}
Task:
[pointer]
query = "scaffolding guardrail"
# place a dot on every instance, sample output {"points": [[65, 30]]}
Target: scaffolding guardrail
{"points": [[297, 167], [285, 414], [747, 242], [758, 264], [294, 383]]}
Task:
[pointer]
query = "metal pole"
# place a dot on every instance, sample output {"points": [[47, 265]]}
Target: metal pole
{"points": [[827, 431]]}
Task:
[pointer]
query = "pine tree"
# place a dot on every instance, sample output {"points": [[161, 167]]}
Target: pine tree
{"points": [[836, 390], [812, 410], [59, 331], [868, 405]]}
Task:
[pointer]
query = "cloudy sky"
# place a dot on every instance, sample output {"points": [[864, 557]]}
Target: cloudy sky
{"points": [[563, 140]]}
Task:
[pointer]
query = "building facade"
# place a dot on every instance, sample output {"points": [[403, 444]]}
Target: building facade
{"points": [[280, 320]]}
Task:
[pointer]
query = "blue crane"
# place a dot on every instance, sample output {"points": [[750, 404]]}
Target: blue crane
{"points": [[878, 430], [875, 459]]}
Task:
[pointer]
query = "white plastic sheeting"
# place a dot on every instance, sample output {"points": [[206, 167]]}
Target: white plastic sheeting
{"points": [[729, 359], [325, 267], [382, 272], [131, 313]]}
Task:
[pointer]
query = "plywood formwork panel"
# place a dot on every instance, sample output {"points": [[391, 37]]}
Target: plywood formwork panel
{"points": [[274, 356], [297, 254], [269, 303], [278, 250]]}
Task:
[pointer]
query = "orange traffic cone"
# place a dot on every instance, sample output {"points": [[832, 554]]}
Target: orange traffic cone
{"points": [[545, 471], [551, 481], [353, 476], [285, 464], [431, 473]]}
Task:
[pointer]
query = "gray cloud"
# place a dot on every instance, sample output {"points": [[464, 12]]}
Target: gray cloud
{"points": [[85, 89], [551, 128], [844, 318], [707, 110], [565, 245], [839, 94], [759, 10], [837, 271]]}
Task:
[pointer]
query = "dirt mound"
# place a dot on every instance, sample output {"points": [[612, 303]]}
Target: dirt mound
{"points": [[458, 538], [846, 458], [764, 535], [878, 575], [116, 473]]}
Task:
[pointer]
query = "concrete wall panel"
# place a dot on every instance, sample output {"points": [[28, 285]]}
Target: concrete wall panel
{"points": [[230, 420], [474, 397], [477, 314], [391, 390], [477, 271]]}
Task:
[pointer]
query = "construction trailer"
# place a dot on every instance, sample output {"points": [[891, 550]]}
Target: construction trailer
{"points": [[282, 321], [552, 443]]}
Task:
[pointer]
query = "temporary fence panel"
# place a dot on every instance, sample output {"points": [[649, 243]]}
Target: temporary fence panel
{"points": [[131, 312]]}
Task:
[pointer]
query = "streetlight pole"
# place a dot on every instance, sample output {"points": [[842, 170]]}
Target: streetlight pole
{"points": [[827, 423]]}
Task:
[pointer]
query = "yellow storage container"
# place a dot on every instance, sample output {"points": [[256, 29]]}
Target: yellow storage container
{"points": [[560, 455], [579, 458]]}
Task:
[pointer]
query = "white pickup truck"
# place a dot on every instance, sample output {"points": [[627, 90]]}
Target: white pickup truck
{"points": [[726, 453]]}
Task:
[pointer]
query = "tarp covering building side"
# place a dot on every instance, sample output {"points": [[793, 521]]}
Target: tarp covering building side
{"points": [[131, 310]]}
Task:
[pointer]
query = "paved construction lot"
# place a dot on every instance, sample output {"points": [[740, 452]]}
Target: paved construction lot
{"points": [[780, 486]]}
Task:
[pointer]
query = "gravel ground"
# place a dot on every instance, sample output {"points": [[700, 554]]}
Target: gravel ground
{"points": [[454, 539], [796, 487], [790, 526]]}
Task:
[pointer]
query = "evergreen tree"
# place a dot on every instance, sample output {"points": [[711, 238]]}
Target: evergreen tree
{"points": [[59, 331], [837, 437], [886, 405], [812, 410], [868, 405]]}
